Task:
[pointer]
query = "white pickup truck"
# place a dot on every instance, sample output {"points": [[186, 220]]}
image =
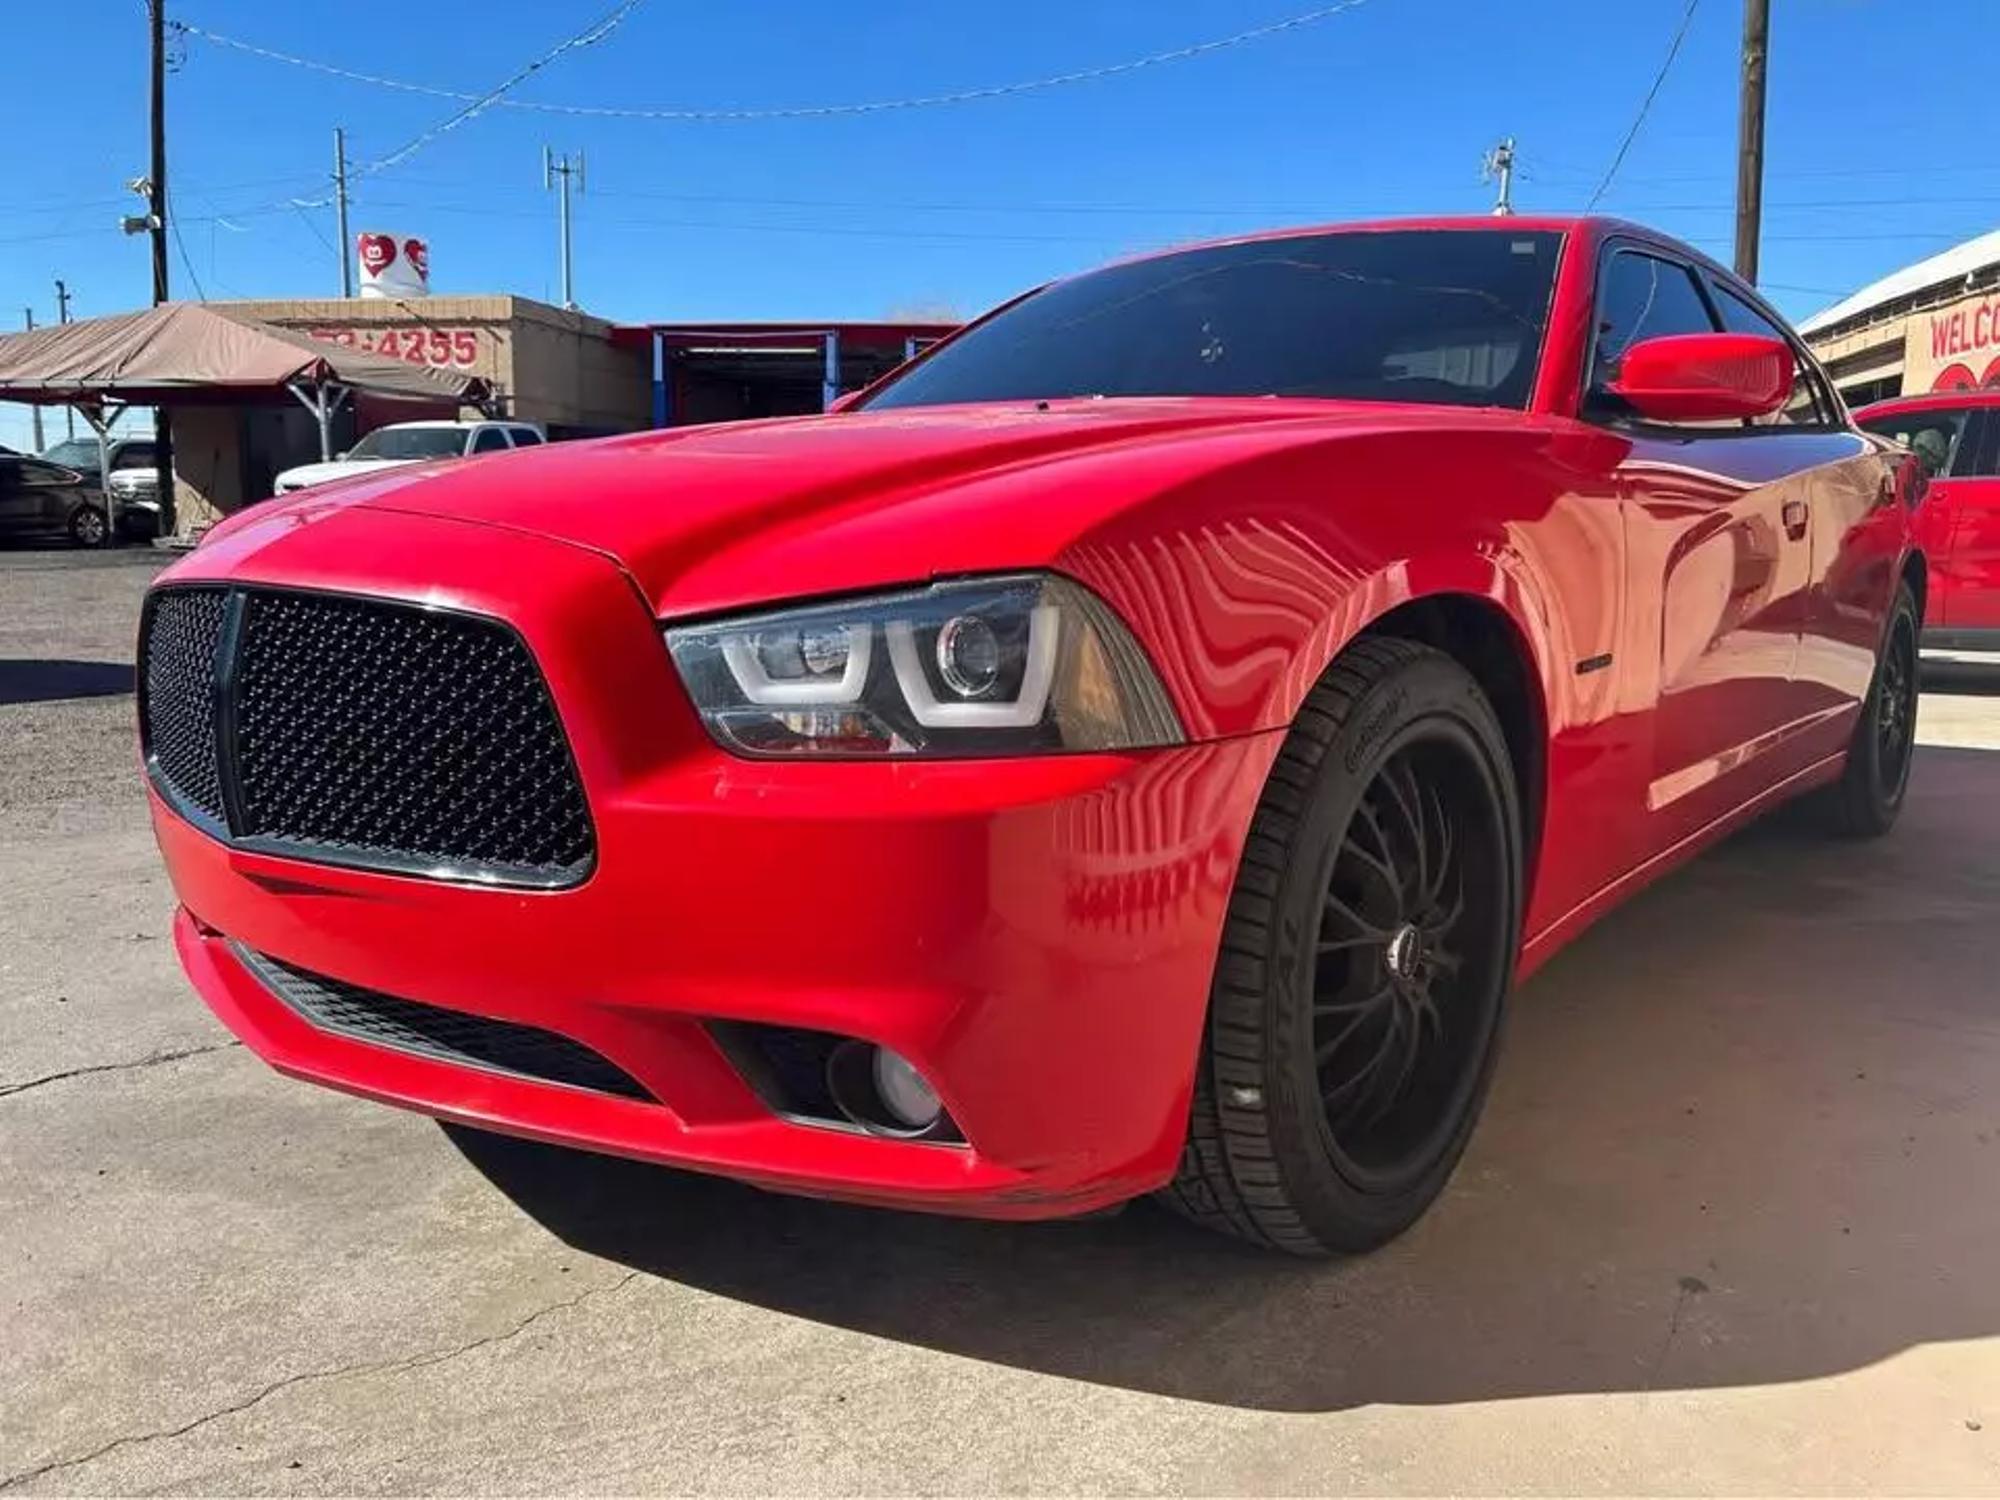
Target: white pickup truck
{"points": [[412, 443]]}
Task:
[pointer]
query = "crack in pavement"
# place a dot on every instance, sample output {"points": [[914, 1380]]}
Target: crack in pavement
{"points": [[118, 1067], [398, 1365], [1690, 1286], [155, 1061]]}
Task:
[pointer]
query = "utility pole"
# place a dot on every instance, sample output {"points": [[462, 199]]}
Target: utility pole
{"points": [[554, 166], [1499, 165], [62, 316], [340, 211], [1750, 138], [163, 422], [34, 412], [156, 16]]}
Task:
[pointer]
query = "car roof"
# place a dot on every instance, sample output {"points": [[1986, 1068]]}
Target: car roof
{"points": [[435, 424], [1928, 401]]}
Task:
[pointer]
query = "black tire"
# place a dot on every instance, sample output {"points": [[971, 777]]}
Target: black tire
{"points": [[1864, 803], [1317, 998], [87, 526]]}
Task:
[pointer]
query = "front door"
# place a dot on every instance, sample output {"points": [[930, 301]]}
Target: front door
{"points": [[1718, 533]]}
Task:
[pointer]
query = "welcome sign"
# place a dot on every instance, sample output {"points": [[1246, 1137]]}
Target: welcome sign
{"points": [[1955, 348]]}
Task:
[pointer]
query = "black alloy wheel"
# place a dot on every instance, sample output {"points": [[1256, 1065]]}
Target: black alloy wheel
{"points": [[1896, 706], [1365, 964], [1865, 801], [1397, 1039]]}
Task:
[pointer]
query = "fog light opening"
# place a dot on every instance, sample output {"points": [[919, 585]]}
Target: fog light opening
{"points": [[882, 1092]]}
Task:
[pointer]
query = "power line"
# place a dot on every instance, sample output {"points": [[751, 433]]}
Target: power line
{"points": [[480, 103], [890, 232], [798, 111], [187, 265], [1646, 104]]}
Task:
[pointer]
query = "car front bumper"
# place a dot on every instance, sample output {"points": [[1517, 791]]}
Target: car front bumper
{"points": [[1037, 935]]}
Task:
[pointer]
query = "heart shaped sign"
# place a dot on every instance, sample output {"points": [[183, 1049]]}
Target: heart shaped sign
{"points": [[378, 252], [418, 254]]}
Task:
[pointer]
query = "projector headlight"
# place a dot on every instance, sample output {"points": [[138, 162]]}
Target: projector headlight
{"points": [[991, 666]]}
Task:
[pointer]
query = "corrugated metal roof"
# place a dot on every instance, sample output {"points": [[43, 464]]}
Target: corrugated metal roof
{"points": [[1950, 265]]}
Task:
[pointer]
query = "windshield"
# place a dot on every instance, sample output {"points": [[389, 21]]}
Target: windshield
{"points": [[1431, 315], [74, 453], [410, 442]]}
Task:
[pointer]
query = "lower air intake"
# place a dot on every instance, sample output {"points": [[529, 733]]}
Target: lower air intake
{"points": [[433, 1031]]}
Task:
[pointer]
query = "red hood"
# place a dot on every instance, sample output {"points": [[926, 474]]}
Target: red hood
{"points": [[715, 517]]}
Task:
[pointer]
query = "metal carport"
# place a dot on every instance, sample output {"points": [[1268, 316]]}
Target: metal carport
{"points": [[188, 353]]}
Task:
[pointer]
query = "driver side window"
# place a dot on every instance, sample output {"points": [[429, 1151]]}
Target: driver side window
{"points": [[1642, 297]]}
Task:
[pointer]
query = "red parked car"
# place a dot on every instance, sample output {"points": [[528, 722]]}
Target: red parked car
{"points": [[1134, 747], [1956, 436]]}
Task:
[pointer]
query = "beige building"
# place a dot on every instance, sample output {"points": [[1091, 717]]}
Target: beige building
{"points": [[548, 365], [1933, 326]]}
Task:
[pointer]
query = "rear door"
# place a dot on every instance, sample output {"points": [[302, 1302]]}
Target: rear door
{"points": [[1718, 537], [19, 507], [1842, 488], [36, 495]]}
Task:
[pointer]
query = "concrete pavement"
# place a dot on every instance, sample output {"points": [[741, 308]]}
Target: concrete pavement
{"points": [[1730, 1223]]}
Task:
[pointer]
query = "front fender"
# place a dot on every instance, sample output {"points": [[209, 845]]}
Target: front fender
{"points": [[1245, 617]]}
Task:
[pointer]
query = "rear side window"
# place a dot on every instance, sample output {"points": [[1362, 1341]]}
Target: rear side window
{"points": [[1944, 441], [490, 440], [525, 437], [34, 473], [1808, 406]]}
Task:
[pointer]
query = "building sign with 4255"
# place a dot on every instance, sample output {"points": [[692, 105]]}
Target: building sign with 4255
{"points": [[448, 348]]}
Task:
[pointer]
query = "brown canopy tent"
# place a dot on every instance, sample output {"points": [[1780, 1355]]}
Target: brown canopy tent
{"points": [[188, 353]]}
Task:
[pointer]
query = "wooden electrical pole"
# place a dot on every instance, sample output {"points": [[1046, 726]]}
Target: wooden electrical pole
{"points": [[340, 212], [163, 424], [1750, 138], [156, 17]]}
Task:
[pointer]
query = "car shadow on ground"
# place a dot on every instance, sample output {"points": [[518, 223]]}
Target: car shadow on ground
{"points": [[42, 681], [1743, 1132]]}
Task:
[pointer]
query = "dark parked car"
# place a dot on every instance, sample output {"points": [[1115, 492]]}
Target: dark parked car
{"points": [[38, 497]]}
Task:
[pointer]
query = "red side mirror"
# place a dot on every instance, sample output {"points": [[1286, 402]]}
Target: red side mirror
{"points": [[1705, 377]]}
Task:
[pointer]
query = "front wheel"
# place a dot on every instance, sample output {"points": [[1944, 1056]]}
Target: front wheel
{"points": [[1370, 941], [1865, 801]]}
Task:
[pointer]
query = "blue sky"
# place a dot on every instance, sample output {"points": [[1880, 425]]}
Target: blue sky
{"points": [[1875, 138]]}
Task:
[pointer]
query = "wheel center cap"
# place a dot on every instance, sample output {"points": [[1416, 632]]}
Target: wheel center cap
{"points": [[1405, 951]]}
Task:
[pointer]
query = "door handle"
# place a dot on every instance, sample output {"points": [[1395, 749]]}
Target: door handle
{"points": [[1794, 513]]}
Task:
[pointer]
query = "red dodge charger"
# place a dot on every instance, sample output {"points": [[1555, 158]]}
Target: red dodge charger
{"points": [[1134, 747]]}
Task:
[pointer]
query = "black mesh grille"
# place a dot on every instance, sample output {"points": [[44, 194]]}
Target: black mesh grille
{"points": [[178, 690], [434, 1031], [365, 732]]}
